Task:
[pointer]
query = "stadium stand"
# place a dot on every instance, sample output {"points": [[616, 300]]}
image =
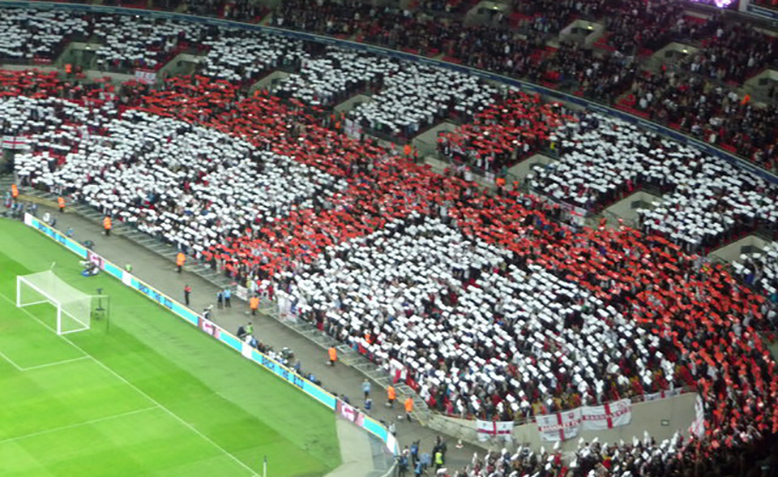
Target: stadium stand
{"points": [[489, 306], [706, 201], [31, 34]]}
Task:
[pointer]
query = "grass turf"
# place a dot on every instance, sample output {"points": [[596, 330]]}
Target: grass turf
{"points": [[151, 395]]}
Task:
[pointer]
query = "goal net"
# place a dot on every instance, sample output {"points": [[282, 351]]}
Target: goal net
{"points": [[74, 307]]}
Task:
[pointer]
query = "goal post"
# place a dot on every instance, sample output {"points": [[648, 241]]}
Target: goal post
{"points": [[74, 307]]}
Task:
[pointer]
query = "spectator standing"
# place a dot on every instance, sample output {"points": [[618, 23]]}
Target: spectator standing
{"points": [[402, 465], [187, 292], [415, 452], [366, 388], [418, 468], [227, 296]]}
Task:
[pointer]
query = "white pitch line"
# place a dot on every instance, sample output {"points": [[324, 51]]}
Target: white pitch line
{"points": [[55, 363], [73, 426], [11, 361], [175, 416]]}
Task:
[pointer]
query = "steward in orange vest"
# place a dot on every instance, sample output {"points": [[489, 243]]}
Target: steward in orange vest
{"points": [[391, 396], [61, 203], [180, 260], [408, 408], [107, 226], [333, 355], [14, 191], [254, 304]]}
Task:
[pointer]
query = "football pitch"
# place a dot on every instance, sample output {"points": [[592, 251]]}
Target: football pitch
{"points": [[141, 393]]}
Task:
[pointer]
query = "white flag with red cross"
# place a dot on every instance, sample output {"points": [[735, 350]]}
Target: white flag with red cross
{"points": [[489, 429], [607, 416]]}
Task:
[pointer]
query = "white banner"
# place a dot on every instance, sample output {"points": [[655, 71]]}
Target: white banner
{"points": [[352, 129], [698, 425], [488, 429], [608, 416], [559, 426], [145, 76]]}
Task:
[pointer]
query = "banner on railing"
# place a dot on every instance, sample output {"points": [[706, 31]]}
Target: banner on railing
{"points": [[488, 429], [559, 426], [145, 76], [698, 425], [607, 416], [350, 413], [565, 425]]}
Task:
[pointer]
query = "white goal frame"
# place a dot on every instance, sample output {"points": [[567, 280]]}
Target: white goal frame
{"points": [[68, 302]]}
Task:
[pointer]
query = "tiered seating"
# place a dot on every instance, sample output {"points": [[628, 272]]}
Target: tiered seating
{"points": [[605, 77], [583, 315], [760, 271], [189, 185], [330, 78], [706, 199], [503, 133], [734, 53], [465, 319], [238, 56], [141, 42], [417, 96], [27, 35]]}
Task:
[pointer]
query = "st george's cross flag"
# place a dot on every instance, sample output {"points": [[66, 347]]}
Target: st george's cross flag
{"points": [[489, 429]]}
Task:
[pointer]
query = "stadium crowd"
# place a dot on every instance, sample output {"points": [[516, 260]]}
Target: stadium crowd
{"points": [[697, 96], [487, 305]]}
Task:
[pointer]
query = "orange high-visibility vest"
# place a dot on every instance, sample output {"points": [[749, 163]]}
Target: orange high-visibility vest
{"points": [[68, 68], [254, 302], [180, 259], [500, 182], [14, 191], [407, 149], [409, 405], [61, 202], [390, 392], [107, 223], [333, 354]]}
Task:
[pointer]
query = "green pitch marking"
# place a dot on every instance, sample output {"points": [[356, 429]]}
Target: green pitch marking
{"points": [[152, 396]]}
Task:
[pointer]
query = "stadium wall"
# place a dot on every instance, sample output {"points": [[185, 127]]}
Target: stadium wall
{"points": [[312, 390], [660, 418], [529, 87]]}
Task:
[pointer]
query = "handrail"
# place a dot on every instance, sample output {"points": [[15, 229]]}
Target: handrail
{"points": [[733, 160]]}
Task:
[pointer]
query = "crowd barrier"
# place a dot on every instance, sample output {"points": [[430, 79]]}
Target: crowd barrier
{"points": [[366, 422], [529, 87]]}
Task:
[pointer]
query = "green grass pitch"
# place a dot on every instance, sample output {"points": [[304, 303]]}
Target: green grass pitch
{"points": [[150, 395]]}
